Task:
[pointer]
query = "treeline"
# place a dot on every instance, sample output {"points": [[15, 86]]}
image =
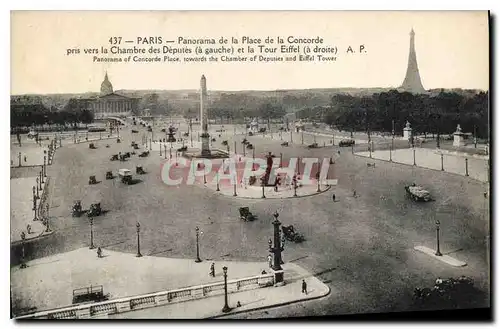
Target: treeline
{"points": [[382, 112], [26, 115]]}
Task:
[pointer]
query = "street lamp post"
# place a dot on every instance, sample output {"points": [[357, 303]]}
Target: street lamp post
{"points": [[263, 184], [438, 251], [37, 188], [442, 166], [19, 158], [302, 137], [414, 162], [138, 227], [34, 198], [160, 148], [47, 229], [91, 220], [164, 151], [291, 136], [23, 237], [217, 174], [41, 178], [226, 307], [281, 159], [197, 260], [45, 166], [318, 175], [466, 167], [234, 147], [276, 250], [390, 154]]}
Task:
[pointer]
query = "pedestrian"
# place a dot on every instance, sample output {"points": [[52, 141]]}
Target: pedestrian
{"points": [[212, 270], [238, 304], [270, 260], [304, 287], [25, 159], [354, 193], [28, 228], [333, 197], [99, 252]]}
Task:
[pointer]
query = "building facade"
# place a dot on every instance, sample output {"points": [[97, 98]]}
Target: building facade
{"points": [[108, 103]]}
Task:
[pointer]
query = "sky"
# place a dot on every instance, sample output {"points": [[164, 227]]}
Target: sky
{"points": [[452, 50]]}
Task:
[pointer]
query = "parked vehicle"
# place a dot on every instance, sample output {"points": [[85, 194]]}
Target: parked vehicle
{"points": [[418, 193], [246, 215], [76, 210], [125, 176], [291, 235], [92, 180], [94, 210]]}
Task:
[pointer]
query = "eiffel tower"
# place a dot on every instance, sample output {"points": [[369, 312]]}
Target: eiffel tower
{"points": [[412, 82]]}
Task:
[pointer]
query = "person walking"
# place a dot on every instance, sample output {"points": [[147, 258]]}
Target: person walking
{"points": [[212, 270], [304, 287], [333, 197], [270, 260], [99, 252]]}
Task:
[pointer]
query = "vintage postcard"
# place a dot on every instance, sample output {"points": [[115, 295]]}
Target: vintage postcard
{"points": [[243, 165]]}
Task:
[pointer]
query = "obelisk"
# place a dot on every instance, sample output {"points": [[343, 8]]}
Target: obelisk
{"points": [[205, 137]]}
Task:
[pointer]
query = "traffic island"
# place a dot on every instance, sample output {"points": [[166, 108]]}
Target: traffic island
{"points": [[443, 258], [147, 287]]}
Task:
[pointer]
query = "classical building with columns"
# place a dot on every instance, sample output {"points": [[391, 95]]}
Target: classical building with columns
{"points": [[108, 103]]}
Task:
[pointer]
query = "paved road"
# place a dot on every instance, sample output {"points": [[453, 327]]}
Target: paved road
{"points": [[361, 246]]}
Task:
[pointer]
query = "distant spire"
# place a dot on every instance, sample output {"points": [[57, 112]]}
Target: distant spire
{"points": [[412, 81]]}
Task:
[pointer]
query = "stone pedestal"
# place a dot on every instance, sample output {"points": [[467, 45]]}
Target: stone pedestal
{"points": [[407, 131], [205, 146], [458, 138]]}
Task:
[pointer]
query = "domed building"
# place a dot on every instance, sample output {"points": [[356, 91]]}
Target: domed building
{"points": [[109, 103], [106, 86]]}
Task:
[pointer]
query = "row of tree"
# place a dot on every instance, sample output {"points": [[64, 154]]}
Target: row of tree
{"points": [[26, 115], [388, 111]]}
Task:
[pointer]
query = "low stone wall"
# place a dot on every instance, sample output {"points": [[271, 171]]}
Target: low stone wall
{"points": [[96, 310]]}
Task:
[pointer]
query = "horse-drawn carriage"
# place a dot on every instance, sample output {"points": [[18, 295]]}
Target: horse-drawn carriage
{"points": [[346, 142], [92, 146], [250, 133], [186, 134], [94, 210], [182, 149], [284, 144], [76, 210], [291, 235], [224, 143], [417, 193], [114, 157], [109, 175], [249, 146], [92, 180], [446, 293], [245, 141], [144, 154], [139, 170], [135, 131], [313, 146], [118, 140], [262, 130], [246, 215]]}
